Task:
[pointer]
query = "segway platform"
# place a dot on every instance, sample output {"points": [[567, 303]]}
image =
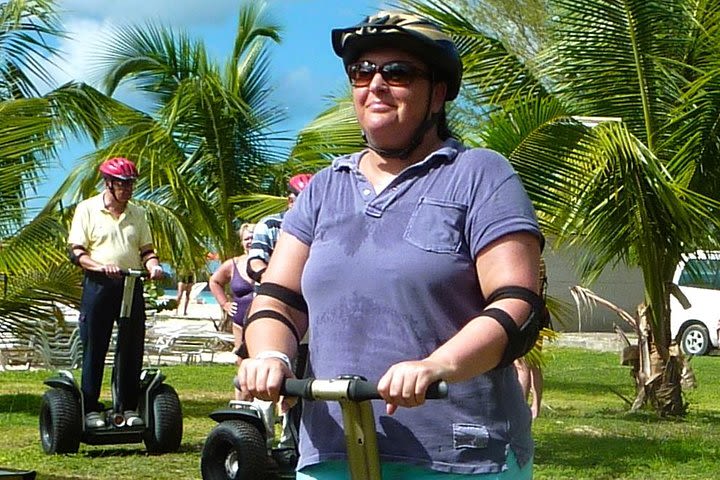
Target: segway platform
{"points": [[7, 474], [62, 413]]}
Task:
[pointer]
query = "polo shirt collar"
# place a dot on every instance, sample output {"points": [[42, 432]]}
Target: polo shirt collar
{"points": [[99, 205], [448, 151], [98, 202]]}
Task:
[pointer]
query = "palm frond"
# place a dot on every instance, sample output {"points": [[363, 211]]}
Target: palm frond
{"points": [[253, 207], [35, 246], [25, 28], [25, 142], [332, 133], [33, 297], [609, 59], [492, 74], [156, 58]]}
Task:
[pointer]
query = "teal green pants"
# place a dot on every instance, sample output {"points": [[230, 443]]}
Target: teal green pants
{"points": [[337, 470]]}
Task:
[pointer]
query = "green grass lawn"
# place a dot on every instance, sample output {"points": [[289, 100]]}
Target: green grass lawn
{"points": [[584, 431]]}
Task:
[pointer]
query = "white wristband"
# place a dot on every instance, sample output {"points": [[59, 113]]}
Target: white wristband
{"points": [[275, 354]]}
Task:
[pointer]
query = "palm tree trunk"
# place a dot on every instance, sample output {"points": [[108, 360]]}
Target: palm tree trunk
{"points": [[658, 377], [659, 373]]}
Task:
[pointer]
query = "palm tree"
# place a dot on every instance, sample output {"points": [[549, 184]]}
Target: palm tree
{"points": [[625, 188], [34, 271], [205, 139]]}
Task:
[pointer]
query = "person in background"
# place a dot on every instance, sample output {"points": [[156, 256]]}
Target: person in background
{"points": [[411, 261], [184, 286], [530, 375], [265, 238], [109, 234], [268, 230], [232, 274]]}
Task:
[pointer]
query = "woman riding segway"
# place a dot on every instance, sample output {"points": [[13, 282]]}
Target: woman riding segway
{"points": [[418, 259]]}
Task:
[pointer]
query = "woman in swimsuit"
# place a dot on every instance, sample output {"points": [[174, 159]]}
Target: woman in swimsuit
{"points": [[232, 273]]}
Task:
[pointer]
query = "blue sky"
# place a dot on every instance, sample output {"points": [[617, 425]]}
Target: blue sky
{"points": [[304, 69]]}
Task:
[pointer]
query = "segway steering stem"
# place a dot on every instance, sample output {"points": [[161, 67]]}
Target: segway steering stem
{"points": [[354, 394]]}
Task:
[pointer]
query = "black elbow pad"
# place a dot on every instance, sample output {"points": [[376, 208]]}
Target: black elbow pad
{"points": [[520, 339], [285, 295], [75, 259]]}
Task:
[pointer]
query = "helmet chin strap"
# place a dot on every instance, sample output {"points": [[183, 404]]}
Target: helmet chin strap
{"points": [[111, 189], [403, 153], [417, 138]]}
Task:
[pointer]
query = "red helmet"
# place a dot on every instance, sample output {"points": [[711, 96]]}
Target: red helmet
{"points": [[120, 168], [297, 183]]}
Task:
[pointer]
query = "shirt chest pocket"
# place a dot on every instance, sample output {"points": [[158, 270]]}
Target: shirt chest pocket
{"points": [[437, 225]]}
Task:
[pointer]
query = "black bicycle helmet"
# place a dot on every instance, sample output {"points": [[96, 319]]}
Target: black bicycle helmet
{"points": [[415, 35]]}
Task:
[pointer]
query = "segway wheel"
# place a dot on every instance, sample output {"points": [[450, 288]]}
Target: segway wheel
{"points": [[234, 450], [60, 422], [164, 433]]}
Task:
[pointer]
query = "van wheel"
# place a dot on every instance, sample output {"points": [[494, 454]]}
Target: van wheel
{"points": [[695, 340]]}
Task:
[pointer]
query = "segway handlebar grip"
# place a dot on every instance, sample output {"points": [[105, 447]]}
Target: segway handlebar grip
{"points": [[360, 390], [437, 390], [353, 389], [134, 272], [296, 387]]}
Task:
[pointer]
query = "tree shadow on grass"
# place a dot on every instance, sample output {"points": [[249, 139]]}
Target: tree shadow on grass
{"points": [[201, 407], [20, 403], [57, 477], [24, 403], [137, 450], [585, 388], [615, 456], [708, 418], [622, 411]]}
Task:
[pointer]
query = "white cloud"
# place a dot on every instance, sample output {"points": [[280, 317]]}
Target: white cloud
{"points": [[75, 60], [91, 23]]}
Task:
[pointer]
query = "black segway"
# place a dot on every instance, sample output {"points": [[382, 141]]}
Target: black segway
{"points": [[62, 410], [235, 449]]}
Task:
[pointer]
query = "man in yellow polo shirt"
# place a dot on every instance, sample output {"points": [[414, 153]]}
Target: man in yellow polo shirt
{"points": [[110, 234]]}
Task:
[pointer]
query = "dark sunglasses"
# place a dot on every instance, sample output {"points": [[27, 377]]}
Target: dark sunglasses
{"points": [[395, 73], [123, 183]]}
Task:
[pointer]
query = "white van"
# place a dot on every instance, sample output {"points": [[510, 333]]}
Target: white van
{"points": [[695, 328]]}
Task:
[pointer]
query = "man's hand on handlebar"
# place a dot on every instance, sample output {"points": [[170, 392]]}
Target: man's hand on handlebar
{"points": [[111, 270], [156, 272]]}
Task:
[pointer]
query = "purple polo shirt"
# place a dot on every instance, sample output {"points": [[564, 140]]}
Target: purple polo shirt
{"points": [[390, 277]]}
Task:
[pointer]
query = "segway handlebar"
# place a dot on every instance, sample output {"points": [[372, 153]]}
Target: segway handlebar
{"points": [[126, 272], [134, 272], [347, 387]]}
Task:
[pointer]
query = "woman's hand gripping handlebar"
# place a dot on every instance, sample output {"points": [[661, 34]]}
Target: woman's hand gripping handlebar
{"points": [[353, 392]]}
